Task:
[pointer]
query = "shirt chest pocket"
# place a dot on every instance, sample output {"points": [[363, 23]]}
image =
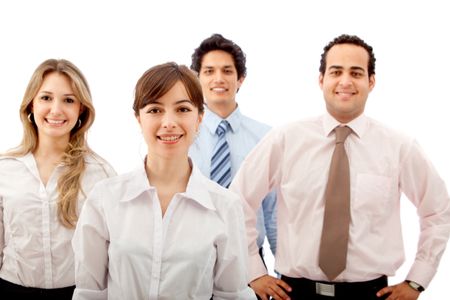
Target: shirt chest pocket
{"points": [[372, 194]]}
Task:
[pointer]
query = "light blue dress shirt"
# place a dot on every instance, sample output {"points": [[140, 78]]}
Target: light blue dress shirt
{"points": [[245, 133]]}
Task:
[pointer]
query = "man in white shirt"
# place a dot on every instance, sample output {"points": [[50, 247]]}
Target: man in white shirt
{"points": [[382, 164]]}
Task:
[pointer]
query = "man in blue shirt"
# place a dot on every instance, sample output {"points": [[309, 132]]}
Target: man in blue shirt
{"points": [[220, 65]]}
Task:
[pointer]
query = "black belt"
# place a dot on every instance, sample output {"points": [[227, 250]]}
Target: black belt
{"points": [[336, 289]]}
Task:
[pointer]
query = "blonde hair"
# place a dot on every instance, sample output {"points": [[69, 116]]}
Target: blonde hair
{"points": [[69, 182]]}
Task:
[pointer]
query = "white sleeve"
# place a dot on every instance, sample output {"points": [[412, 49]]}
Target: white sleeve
{"points": [[258, 175], [90, 245], [422, 185], [230, 272]]}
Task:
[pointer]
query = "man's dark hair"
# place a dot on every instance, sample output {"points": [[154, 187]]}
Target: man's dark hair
{"points": [[348, 39], [218, 42]]}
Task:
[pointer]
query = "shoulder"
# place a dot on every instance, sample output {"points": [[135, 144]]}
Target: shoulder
{"points": [[123, 187], [95, 162], [7, 158], [221, 198], [225, 201], [295, 131], [254, 126], [116, 182], [383, 131], [10, 160]]}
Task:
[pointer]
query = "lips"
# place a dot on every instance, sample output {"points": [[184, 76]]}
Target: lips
{"points": [[345, 93], [169, 138], [219, 89], [55, 122]]}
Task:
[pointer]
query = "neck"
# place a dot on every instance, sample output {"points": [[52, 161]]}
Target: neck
{"points": [[50, 148], [344, 119], [167, 171], [223, 109]]}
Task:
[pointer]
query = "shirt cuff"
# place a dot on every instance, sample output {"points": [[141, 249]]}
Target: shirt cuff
{"points": [[421, 273], [256, 267]]}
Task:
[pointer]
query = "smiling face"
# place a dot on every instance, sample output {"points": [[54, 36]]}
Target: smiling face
{"points": [[55, 107], [169, 124], [219, 79], [345, 82]]}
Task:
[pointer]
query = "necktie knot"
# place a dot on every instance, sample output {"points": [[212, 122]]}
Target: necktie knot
{"points": [[222, 128], [342, 132]]}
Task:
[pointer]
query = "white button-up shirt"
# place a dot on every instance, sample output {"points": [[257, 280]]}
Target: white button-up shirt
{"points": [[35, 248], [125, 249], [295, 160]]}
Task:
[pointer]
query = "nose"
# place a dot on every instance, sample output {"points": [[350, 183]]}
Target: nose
{"points": [[169, 120], [218, 77], [345, 80], [56, 107]]}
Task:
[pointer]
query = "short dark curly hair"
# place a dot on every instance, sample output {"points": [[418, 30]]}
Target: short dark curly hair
{"points": [[348, 39], [218, 42]]}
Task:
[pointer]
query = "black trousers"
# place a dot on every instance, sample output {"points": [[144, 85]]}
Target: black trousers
{"points": [[305, 289], [12, 291]]}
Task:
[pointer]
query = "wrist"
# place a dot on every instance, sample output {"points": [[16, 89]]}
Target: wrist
{"points": [[414, 285]]}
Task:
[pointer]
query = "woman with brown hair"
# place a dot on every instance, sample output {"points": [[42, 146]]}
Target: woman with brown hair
{"points": [[163, 231], [44, 182]]}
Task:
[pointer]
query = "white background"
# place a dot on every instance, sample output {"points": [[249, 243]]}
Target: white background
{"points": [[114, 42]]}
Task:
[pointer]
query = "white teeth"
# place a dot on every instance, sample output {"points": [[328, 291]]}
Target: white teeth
{"points": [[55, 121], [169, 138], [219, 89]]}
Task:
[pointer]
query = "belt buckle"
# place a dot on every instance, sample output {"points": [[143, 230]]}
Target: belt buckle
{"points": [[325, 289]]}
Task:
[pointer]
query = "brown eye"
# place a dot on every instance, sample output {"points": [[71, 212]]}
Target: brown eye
{"points": [[153, 111], [184, 109]]}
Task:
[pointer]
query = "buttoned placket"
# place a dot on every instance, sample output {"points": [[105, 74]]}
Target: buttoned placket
{"points": [[46, 236], [160, 225], [157, 246]]}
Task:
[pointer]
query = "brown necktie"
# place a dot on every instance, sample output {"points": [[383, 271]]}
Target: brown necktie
{"points": [[336, 220]]}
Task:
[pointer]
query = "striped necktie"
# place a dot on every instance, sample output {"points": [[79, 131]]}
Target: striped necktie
{"points": [[221, 161]]}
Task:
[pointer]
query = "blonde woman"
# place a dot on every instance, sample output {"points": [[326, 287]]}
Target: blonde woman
{"points": [[43, 184], [163, 231]]}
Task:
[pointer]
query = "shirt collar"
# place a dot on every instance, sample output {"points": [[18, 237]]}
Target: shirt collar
{"points": [[135, 184], [196, 189], [358, 125], [211, 120], [30, 163]]}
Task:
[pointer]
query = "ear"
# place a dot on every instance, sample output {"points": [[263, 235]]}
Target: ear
{"points": [[200, 117], [321, 81], [138, 118], [371, 82], [240, 82]]}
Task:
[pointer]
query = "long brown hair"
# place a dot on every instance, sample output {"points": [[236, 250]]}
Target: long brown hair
{"points": [[69, 183]]}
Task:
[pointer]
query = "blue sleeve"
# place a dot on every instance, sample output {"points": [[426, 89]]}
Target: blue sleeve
{"points": [[270, 220]]}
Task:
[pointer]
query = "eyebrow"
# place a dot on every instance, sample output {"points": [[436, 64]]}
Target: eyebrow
{"points": [[351, 68], [212, 67], [50, 93], [177, 102]]}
